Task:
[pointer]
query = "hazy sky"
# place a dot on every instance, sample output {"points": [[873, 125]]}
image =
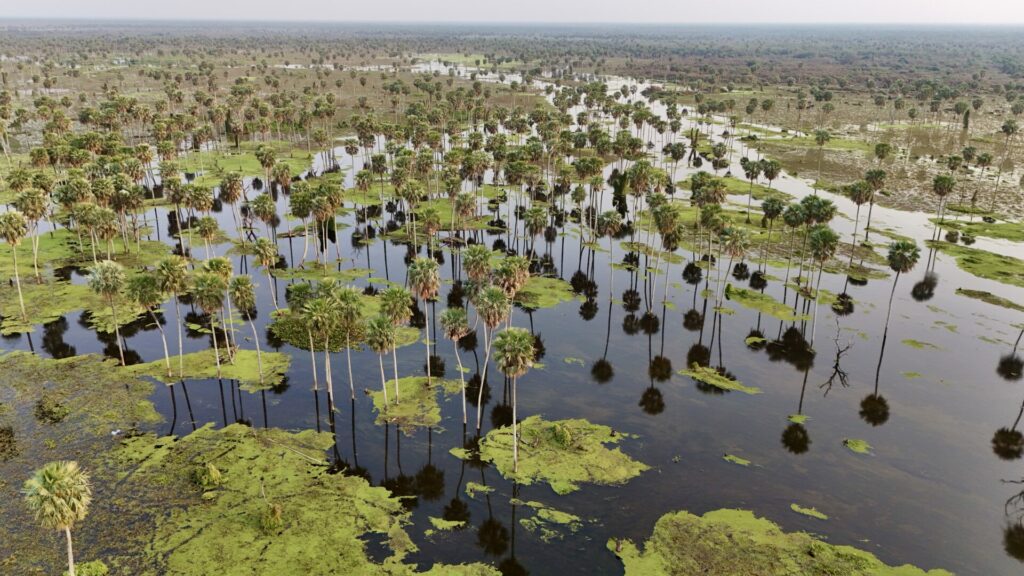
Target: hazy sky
{"points": [[658, 11]]}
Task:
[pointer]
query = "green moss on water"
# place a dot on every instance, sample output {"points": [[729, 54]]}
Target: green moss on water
{"points": [[221, 529], [812, 512], [754, 340], [314, 271], [762, 303], [543, 292], [912, 375], [738, 187], [711, 377], [983, 264], [857, 445], [918, 344], [562, 454], [472, 489], [1013, 231], [798, 418], [733, 459], [417, 406], [201, 365], [548, 523], [990, 298], [446, 525], [733, 542]]}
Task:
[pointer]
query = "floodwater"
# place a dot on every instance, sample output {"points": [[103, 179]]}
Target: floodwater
{"points": [[931, 493]]}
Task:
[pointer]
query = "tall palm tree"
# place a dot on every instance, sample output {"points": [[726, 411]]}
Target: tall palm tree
{"points": [[394, 305], [107, 279], [455, 324], [824, 242], [493, 306], [242, 290], [33, 204], [222, 267], [859, 192], [14, 227], [172, 277], [876, 180], [942, 186], [821, 137], [380, 337], [514, 352], [232, 189], [608, 224], [425, 282], [348, 307], [144, 290], [321, 317], [266, 255], [902, 257], [59, 494], [208, 290], [772, 208]]}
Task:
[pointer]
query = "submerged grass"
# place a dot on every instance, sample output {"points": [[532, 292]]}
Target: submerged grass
{"points": [[711, 377], [983, 264], [201, 365]]}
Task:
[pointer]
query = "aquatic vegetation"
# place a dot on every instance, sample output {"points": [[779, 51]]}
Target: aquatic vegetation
{"points": [[711, 377], [418, 407], [1013, 231], [542, 292], [984, 264], [562, 454], [798, 418], [446, 525], [762, 303], [732, 458], [221, 529], [548, 523], [912, 375], [472, 488], [726, 542], [919, 344], [812, 512], [200, 365], [990, 298], [857, 446]]}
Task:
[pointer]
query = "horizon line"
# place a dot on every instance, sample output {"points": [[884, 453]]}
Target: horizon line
{"points": [[286, 21]]}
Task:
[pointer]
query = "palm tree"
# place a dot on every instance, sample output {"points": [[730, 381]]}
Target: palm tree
{"points": [[859, 192], [14, 227], [608, 224], [824, 242], [321, 319], [232, 189], [514, 353], [455, 323], [208, 290], [492, 306], [107, 279], [751, 169], [876, 180], [243, 295], [33, 204], [144, 290], [59, 494], [172, 277], [772, 208], [425, 282], [902, 257], [380, 337], [942, 186], [394, 305], [821, 137], [266, 255], [348, 307]]}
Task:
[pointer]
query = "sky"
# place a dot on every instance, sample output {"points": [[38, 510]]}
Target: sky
{"points": [[622, 11]]}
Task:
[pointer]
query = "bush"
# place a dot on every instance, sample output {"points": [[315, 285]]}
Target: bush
{"points": [[94, 568]]}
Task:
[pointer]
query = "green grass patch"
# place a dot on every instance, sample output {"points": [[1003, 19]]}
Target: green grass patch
{"points": [[201, 365], [1005, 269], [990, 298], [812, 512], [711, 377]]}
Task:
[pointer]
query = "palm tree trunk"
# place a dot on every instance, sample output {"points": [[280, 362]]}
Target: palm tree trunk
{"points": [[891, 294], [312, 357], [483, 379], [462, 380], [17, 283], [817, 289], [117, 331], [181, 358], [216, 347], [71, 552], [394, 366], [515, 430], [383, 381], [348, 358], [259, 353], [163, 338]]}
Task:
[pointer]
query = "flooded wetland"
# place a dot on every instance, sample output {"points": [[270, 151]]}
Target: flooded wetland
{"points": [[328, 308]]}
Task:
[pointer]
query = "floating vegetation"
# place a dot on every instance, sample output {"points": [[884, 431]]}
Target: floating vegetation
{"points": [[224, 531], [812, 512], [562, 454], [919, 345], [547, 523], [416, 407], [711, 377], [912, 375], [798, 418], [762, 303], [983, 264], [858, 446], [1013, 231], [990, 298], [729, 542], [446, 525], [754, 340], [472, 488], [201, 365], [575, 361], [736, 460], [542, 292]]}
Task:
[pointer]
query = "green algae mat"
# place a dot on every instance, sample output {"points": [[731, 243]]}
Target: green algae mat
{"points": [[735, 542], [562, 454]]}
